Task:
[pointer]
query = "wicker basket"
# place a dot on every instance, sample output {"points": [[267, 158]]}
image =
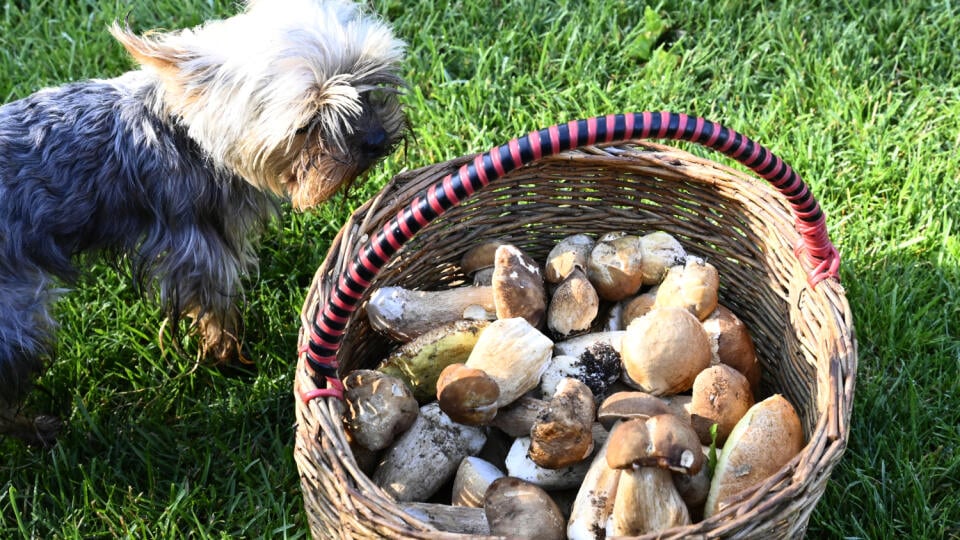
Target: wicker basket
{"points": [[778, 273]]}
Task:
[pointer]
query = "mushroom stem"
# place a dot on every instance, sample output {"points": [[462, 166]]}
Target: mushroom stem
{"points": [[405, 314], [646, 501]]}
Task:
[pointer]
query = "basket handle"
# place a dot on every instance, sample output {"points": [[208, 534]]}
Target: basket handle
{"points": [[329, 324]]}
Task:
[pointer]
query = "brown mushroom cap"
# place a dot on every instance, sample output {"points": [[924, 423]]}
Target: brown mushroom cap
{"points": [[379, 407], [694, 286], [518, 288], [614, 267], [573, 306], [479, 257], [520, 509], [735, 346], [662, 441], [664, 350], [467, 395], [660, 251], [721, 396], [569, 253], [562, 434], [626, 404]]}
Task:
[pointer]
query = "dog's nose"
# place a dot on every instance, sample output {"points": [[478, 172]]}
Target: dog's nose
{"points": [[375, 141]]}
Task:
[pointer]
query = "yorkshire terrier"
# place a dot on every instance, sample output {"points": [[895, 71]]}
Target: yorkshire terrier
{"points": [[177, 167]]}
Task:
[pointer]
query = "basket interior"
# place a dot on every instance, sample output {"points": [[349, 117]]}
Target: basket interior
{"points": [[737, 223]]}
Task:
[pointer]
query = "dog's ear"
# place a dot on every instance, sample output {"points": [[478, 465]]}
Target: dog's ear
{"points": [[153, 53]]}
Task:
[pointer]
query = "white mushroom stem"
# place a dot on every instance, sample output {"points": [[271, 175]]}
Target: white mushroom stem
{"points": [[405, 314], [646, 501], [594, 502]]}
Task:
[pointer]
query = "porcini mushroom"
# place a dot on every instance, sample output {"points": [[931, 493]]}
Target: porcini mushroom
{"points": [[562, 433], [573, 306], [520, 509], [474, 476], [518, 288], [404, 314], [694, 286], [378, 408], [569, 253], [468, 395], [598, 366], [477, 262], [733, 344], [664, 350], [659, 251], [418, 363], [646, 451], [426, 456], [762, 442], [594, 501], [614, 266], [721, 396], [514, 354]]}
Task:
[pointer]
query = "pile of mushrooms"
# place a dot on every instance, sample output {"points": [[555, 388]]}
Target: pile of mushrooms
{"points": [[578, 399]]}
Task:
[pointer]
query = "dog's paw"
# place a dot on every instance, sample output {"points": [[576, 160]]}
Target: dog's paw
{"points": [[40, 430]]}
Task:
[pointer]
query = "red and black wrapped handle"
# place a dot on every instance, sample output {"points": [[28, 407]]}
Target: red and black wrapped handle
{"points": [[329, 323]]}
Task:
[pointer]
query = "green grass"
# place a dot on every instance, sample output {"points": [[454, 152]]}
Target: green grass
{"points": [[861, 97]]}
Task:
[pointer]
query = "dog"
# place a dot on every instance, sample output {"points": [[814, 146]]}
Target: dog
{"points": [[177, 167]]}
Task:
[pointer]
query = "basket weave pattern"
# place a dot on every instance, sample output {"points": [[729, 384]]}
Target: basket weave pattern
{"points": [[746, 229]]}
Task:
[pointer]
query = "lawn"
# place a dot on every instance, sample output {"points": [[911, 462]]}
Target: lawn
{"points": [[861, 97]]}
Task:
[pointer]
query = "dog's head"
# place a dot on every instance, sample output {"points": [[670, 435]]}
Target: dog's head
{"points": [[297, 96]]}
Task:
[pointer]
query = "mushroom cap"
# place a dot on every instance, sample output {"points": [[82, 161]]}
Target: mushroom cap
{"points": [[567, 254], [573, 306], [562, 434], [735, 346], [614, 267], [520, 509], [467, 395], [694, 286], [479, 256], [721, 396], [664, 350], [663, 441], [627, 404], [660, 251], [518, 288], [379, 407]]}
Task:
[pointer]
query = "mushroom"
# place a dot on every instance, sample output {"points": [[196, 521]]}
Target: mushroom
{"points": [[638, 306], [598, 367], [721, 396], [659, 251], [426, 456], [517, 418], [404, 314], [664, 350], [474, 476], [514, 354], [594, 501], [477, 262], [378, 408], [614, 266], [522, 510], [646, 451], [573, 306], [562, 433], [519, 465], [578, 345], [518, 288], [694, 286], [569, 253], [762, 442], [733, 344], [467, 395], [626, 405], [419, 362]]}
